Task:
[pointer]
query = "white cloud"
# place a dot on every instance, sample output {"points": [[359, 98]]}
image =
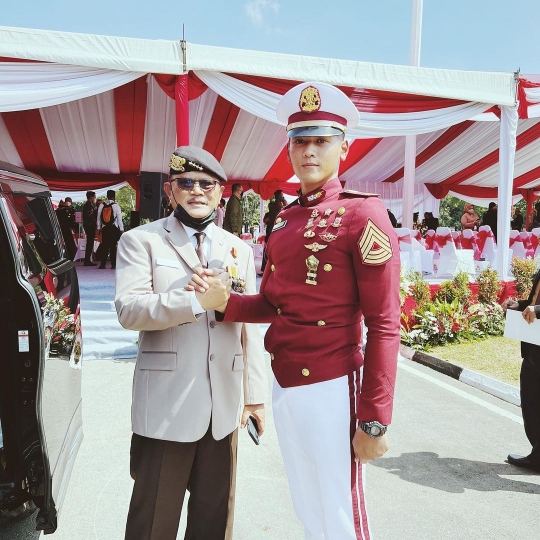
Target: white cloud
{"points": [[257, 9]]}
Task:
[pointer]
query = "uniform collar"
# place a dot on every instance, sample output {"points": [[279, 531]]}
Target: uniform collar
{"points": [[332, 187]]}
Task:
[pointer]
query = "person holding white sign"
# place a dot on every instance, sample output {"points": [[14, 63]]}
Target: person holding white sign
{"points": [[529, 380]]}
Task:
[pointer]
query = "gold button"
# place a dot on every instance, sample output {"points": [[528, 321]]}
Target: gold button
{"points": [[278, 311], [272, 268], [271, 356], [305, 372], [341, 211], [327, 267], [321, 323], [278, 220]]}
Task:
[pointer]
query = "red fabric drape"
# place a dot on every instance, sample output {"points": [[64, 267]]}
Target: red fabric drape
{"points": [[30, 139], [366, 100], [523, 107], [168, 82]]}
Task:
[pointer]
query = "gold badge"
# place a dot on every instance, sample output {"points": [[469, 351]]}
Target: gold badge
{"points": [[177, 163], [323, 223], [328, 211], [309, 224], [196, 165], [341, 211], [309, 234], [337, 222], [278, 220], [374, 245], [312, 264], [327, 267], [315, 213], [315, 247], [328, 237], [310, 99], [315, 196]]}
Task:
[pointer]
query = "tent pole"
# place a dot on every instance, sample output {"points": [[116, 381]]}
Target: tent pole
{"points": [[507, 154], [262, 212], [410, 140]]}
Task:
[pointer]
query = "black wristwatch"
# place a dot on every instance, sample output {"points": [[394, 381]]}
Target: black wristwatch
{"points": [[373, 429]]}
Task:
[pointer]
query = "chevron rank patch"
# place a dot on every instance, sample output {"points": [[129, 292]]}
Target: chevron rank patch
{"points": [[374, 245]]}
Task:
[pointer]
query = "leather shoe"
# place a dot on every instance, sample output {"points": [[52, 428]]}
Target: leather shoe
{"points": [[523, 462], [89, 264], [102, 267]]}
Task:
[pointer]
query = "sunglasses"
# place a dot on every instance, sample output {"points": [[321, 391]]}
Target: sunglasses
{"points": [[187, 184]]}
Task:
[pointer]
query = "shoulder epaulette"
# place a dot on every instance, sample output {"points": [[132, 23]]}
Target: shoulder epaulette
{"points": [[354, 193]]}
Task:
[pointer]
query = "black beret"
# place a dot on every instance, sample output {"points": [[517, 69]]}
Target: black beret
{"points": [[190, 159]]}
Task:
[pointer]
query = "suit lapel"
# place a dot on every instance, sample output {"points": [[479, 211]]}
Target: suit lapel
{"points": [[218, 249], [179, 240]]}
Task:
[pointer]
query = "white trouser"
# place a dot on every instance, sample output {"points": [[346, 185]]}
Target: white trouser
{"points": [[315, 424]]}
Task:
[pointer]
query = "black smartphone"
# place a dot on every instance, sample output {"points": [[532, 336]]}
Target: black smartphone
{"points": [[253, 429]]}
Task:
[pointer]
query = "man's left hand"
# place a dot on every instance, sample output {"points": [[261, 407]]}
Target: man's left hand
{"points": [[257, 411], [529, 314], [368, 448]]}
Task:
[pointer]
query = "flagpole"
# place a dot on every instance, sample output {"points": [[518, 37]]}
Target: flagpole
{"points": [[410, 140]]}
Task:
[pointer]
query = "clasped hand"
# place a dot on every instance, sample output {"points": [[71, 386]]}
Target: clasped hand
{"points": [[212, 288]]}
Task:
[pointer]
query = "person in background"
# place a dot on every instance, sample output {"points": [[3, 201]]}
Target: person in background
{"points": [[490, 218], [529, 380], [535, 223], [90, 225], [392, 218], [274, 208], [469, 219], [66, 219], [220, 211], [234, 215], [517, 222], [430, 222], [109, 223]]}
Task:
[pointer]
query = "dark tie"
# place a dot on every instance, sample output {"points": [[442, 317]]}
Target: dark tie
{"points": [[200, 249]]}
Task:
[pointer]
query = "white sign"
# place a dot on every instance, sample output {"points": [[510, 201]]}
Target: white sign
{"points": [[516, 327], [24, 341]]}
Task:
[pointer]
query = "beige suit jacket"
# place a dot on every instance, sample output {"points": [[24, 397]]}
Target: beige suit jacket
{"points": [[189, 369]]}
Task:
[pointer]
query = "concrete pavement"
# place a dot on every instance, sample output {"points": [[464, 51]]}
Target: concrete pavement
{"points": [[443, 478]]}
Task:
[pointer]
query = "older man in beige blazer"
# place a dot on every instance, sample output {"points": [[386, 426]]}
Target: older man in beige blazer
{"points": [[196, 378]]}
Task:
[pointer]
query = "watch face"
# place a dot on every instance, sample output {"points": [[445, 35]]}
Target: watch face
{"points": [[375, 431]]}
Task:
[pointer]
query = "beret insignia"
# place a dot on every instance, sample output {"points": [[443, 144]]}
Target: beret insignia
{"points": [[177, 163], [310, 99], [374, 245]]}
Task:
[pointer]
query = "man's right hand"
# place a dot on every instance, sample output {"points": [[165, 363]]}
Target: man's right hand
{"points": [[212, 288]]}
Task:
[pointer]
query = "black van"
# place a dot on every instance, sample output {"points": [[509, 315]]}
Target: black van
{"points": [[40, 352]]}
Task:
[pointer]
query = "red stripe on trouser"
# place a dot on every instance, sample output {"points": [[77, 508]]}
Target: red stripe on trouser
{"points": [[357, 487]]}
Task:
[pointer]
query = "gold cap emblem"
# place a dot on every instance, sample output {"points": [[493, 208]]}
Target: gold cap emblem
{"points": [[310, 99], [177, 163]]}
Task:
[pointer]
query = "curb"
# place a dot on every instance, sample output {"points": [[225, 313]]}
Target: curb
{"points": [[492, 386]]}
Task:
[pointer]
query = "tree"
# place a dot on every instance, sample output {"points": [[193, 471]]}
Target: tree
{"points": [[451, 210], [251, 206]]}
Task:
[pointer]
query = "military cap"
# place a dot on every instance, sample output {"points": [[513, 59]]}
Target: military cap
{"points": [[191, 158], [313, 108]]}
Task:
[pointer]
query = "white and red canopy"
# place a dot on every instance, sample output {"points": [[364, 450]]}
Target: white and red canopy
{"points": [[88, 111]]}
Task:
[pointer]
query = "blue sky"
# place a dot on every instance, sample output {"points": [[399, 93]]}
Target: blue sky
{"points": [[489, 35]]}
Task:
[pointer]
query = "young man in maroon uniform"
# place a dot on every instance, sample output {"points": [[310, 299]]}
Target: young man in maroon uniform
{"points": [[332, 404]]}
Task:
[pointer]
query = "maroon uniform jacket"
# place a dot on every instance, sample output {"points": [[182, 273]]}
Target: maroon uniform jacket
{"points": [[333, 257]]}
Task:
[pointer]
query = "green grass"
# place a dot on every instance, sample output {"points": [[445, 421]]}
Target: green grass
{"points": [[496, 357]]}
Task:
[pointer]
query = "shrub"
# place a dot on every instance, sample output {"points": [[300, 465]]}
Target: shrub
{"points": [[489, 286], [523, 271], [457, 289], [488, 318], [419, 288]]}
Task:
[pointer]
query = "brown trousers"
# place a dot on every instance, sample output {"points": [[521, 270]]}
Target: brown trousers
{"points": [[163, 470]]}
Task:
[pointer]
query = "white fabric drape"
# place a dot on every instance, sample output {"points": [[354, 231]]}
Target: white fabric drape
{"points": [[26, 85], [71, 126], [392, 194], [263, 103], [507, 153]]}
